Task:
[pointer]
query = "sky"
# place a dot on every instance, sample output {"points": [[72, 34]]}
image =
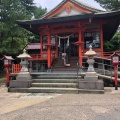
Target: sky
{"points": [[49, 4]]}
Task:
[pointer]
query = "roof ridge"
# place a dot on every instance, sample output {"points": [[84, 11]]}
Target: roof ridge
{"points": [[52, 9]]}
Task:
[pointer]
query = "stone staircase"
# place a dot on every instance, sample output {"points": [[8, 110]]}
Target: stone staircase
{"points": [[52, 83], [62, 83], [59, 65]]}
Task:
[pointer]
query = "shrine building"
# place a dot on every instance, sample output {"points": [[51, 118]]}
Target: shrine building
{"points": [[67, 31]]}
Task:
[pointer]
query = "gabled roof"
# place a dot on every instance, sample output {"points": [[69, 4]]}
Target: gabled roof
{"points": [[76, 2]]}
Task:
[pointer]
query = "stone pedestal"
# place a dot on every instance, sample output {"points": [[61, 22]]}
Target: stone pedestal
{"points": [[20, 84], [23, 79], [91, 85], [91, 76]]}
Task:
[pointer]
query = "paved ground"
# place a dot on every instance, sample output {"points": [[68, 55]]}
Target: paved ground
{"points": [[19, 106]]}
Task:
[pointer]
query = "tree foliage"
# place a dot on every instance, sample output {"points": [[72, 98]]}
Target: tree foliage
{"points": [[38, 12], [13, 37], [109, 4], [113, 44]]}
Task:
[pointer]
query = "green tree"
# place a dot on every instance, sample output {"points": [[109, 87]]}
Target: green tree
{"points": [[113, 44], [39, 11], [10, 11], [10, 33], [109, 4], [116, 41]]}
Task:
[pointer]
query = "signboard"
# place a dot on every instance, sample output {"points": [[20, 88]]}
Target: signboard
{"points": [[115, 59]]}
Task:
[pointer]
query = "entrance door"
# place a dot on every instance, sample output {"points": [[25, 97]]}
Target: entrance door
{"points": [[73, 48], [70, 48]]}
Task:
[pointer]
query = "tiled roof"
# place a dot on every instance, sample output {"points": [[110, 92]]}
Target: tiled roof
{"points": [[32, 46], [8, 57]]}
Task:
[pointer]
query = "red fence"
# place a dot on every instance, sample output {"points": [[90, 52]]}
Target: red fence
{"points": [[16, 68]]}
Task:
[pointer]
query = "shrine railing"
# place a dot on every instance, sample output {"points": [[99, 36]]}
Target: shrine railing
{"points": [[35, 56], [108, 54]]}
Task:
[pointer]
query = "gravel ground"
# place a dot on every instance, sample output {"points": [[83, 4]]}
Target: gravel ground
{"points": [[37, 106]]}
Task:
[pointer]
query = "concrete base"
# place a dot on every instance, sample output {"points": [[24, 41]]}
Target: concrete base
{"points": [[23, 80], [92, 85], [24, 76], [20, 83]]}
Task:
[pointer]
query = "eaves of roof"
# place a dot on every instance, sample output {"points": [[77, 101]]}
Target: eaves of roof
{"points": [[68, 18]]}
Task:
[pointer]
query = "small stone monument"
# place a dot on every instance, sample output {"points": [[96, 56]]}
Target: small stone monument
{"points": [[91, 74], [23, 79], [91, 81]]}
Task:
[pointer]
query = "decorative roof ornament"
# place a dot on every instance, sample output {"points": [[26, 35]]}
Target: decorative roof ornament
{"points": [[90, 52], [68, 8]]}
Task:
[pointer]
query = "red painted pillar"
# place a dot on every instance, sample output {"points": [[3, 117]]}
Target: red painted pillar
{"points": [[116, 77], [40, 45], [101, 39], [49, 50], [80, 47], [7, 76], [56, 47]]}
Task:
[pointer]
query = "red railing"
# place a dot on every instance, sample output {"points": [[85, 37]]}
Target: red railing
{"points": [[108, 54], [35, 57], [41, 57]]}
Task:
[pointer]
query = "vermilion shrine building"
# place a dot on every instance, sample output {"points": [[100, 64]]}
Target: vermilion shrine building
{"points": [[70, 28]]}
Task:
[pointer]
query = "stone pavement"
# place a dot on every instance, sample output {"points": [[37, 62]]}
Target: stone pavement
{"points": [[37, 106]]}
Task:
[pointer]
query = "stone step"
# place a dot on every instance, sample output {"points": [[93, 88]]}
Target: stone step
{"points": [[65, 67], [65, 70], [55, 90], [58, 85], [57, 77], [54, 80], [45, 90], [53, 74]]}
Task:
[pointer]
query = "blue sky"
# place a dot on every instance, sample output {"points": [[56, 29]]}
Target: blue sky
{"points": [[49, 4]]}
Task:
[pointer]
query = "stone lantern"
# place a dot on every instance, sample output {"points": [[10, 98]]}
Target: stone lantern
{"points": [[24, 62], [91, 83], [23, 79], [91, 74]]}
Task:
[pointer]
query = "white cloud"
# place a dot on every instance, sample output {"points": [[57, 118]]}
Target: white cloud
{"points": [[49, 4]]}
